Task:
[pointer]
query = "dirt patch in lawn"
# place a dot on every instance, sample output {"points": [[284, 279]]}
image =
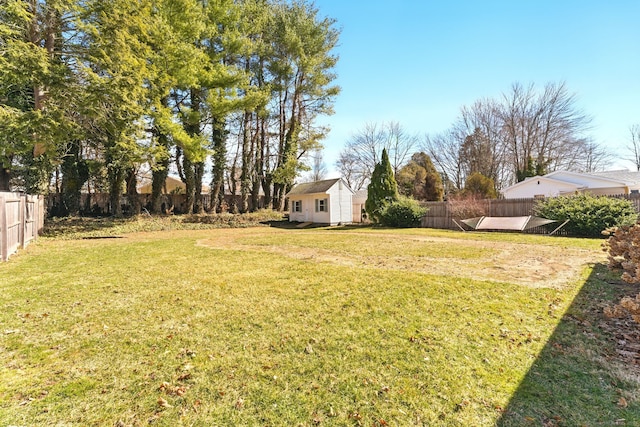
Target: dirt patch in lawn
{"points": [[535, 265]]}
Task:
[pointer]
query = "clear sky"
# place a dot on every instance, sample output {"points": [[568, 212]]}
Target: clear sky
{"points": [[418, 62]]}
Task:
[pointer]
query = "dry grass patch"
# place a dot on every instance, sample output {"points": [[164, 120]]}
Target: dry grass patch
{"points": [[539, 263]]}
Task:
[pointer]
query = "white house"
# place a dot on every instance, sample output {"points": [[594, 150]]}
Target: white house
{"points": [[561, 183], [322, 202]]}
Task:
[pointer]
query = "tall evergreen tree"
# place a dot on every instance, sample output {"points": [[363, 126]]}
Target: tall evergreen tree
{"points": [[36, 90], [382, 190]]}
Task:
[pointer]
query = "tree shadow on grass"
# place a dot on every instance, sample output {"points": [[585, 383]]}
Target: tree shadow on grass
{"points": [[581, 377], [66, 226]]}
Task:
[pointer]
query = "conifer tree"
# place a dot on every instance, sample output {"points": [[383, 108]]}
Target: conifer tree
{"points": [[383, 189]]}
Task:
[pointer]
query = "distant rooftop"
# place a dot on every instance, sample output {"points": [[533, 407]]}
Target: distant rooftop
{"points": [[627, 176], [313, 187]]}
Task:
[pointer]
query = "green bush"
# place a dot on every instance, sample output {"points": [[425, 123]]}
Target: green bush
{"points": [[404, 212], [588, 215]]}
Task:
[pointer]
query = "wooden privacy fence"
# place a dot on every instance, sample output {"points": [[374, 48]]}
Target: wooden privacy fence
{"points": [[21, 219], [442, 214]]}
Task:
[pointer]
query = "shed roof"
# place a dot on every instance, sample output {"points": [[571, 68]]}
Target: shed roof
{"points": [[314, 187], [360, 196]]}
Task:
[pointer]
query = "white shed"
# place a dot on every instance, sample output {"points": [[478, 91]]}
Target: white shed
{"points": [[359, 199], [322, 202]]}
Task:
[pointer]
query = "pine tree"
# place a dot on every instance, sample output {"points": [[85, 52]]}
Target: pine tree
{"points": [[383, 189]]}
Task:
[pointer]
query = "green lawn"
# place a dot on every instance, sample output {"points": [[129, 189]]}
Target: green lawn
{"points": [[267, 326]]}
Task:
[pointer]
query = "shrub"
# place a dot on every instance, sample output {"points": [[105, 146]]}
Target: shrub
{"points": [[464, 206], [404, 212], [588, 215]]}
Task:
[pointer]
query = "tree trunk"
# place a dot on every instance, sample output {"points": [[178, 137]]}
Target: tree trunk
{"points": [[218, 137], [116, 179], [266, 189], [198, 174], [5, 178], [74, 175], [245, 181], [158, 179], [132, 192], [160, 173], [189, 182]]}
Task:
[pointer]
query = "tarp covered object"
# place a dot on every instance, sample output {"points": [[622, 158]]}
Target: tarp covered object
{"points": [[513, 223]]}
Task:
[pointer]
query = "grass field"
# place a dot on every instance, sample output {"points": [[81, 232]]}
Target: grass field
{"points": [[278, 327]]}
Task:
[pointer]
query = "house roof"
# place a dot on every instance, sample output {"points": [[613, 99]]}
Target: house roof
{"points": [[171, 185], [626, 176], [584, 179], [545, 178], [315, 187], [581, 181]]}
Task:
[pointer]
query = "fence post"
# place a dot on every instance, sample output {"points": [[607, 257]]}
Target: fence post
{"points": [[22, 206], [4, 246], [41, 214]]}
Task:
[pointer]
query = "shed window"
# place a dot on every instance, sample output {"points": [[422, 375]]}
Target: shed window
{"points": [[321, 205], [297, 206]]}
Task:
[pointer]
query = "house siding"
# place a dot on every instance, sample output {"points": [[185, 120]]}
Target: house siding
{"points": [[538, 187], [343, 210]]}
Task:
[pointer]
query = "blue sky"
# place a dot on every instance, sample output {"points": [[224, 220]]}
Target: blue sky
{"points": [[418, 62]]}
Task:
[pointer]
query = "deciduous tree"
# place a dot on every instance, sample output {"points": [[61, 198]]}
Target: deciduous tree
{"points": [[634, 145], [361, 152]]}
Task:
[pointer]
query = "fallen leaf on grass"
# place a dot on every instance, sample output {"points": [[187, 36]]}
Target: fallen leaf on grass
{"points": [[163, 403], [185, 376], [239, 403], [622, 402], [26, 401]]}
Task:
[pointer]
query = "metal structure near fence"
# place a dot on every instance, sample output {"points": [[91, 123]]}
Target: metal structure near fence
{"points": [[444, 215], [21, 219]]}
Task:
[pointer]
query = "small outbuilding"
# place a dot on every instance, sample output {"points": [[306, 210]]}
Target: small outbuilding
{"points": [[322, 202], [359, 199]]}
